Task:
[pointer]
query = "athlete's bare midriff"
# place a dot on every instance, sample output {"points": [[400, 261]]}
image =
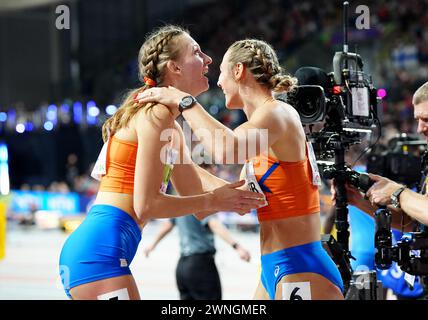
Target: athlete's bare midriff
{"points": [[279, 234]]}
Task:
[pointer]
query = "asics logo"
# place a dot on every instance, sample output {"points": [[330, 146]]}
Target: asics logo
{"points": [[276, 271]]}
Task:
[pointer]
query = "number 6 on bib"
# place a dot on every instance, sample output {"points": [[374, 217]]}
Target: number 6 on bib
{"points": [[296, 291]]}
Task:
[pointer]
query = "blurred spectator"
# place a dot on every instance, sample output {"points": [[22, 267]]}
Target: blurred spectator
{"points": [[25, 187], [71, 170], [86, 185], [58, 187], [196, 273], [38, 187], [29, 219]]}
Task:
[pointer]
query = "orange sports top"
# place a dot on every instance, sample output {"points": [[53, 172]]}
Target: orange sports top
{"points": [[120, 163], [287, 186]]}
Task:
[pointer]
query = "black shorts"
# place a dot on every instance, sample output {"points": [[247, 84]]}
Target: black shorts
{"points": [[198, 278]]}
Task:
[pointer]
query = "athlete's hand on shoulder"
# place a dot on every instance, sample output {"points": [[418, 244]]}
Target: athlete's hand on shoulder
{"points": [[168, 96], [230, 198]]}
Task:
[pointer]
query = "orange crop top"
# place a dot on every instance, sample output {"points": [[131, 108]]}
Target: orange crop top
{"points": [[120, 167], [287, 187]]}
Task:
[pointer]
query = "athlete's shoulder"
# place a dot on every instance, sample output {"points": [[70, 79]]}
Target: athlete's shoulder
{"points": [[287, 107], [158, 114]]}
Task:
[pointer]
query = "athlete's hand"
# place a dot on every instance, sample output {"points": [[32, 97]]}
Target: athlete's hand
{"points": [[229, 198], [168, 96], [244, 212]]}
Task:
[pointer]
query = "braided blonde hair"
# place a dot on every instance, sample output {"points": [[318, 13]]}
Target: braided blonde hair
{"points": [[259, 57], [159, 47]]}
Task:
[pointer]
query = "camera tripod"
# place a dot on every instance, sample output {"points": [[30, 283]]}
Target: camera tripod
{"points": [[359, 285]]}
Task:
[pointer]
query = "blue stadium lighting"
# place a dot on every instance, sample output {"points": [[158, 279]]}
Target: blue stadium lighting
{"points": [[51, 114], [65, 108], [4, 170], [90, 104], [3, 153], [91, 120], [214, 109], [111, 109], [11, 115], [20, 128], [93, 111], [48, 126], [3, 116], [29, 126], [52, 108], [77, 112]]}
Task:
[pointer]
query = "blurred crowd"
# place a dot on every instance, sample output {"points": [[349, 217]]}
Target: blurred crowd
{"points": [[394, 48], [75, 181], [397, 42]]}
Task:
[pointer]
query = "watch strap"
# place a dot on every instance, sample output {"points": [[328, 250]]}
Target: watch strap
{"points": [[395, 197], [182, 106]]}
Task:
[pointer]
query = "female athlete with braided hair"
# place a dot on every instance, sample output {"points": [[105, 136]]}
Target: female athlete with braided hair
{"points": [[294, 263], [141, 142]]}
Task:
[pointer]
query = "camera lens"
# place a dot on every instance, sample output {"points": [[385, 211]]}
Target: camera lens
{"points": [[309, 101], [307, 109]]}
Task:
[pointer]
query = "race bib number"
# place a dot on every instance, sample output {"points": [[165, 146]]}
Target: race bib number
{"points": [[251, 181], [171, 156], [296, 291], [100, 167], [316, 177], [121, 294]]}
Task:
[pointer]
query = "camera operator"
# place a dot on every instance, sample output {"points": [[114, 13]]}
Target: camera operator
{"points": [[404, 204]]}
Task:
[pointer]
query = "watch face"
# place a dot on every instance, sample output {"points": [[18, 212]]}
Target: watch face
{"points": [[187, 101], [394, 202]]}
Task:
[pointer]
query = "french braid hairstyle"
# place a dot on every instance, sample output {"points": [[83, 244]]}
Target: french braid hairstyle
{"points": [[159, 47], [262, 61]]}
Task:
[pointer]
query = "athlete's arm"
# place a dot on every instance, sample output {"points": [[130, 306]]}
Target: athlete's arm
{"points": [[149, 201], [189, 178], [223, 143], [234, 146], [185, 177]]}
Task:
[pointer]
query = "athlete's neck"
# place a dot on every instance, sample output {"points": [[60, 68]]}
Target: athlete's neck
{"points": [[255, 97]]}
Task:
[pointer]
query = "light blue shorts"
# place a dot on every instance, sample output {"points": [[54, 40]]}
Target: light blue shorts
{"points": [[307, 258], [102, 247]]}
